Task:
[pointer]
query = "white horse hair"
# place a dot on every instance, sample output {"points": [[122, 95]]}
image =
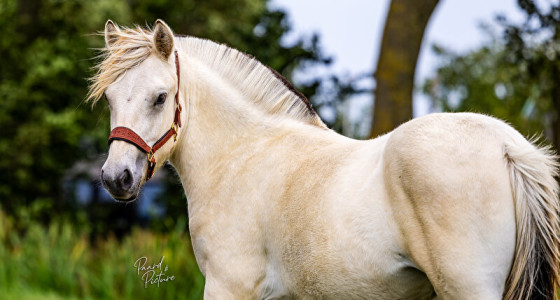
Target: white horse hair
{"points": [[454, 206]]}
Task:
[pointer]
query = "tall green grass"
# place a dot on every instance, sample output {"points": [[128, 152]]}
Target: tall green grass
{"points": [[59, 262]]}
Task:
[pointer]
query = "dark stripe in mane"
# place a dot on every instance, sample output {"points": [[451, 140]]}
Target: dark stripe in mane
{"points": [[293, 89], [279, 76]]}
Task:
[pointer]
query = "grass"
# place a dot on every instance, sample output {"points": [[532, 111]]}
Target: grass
{"points": [[60, 262]]}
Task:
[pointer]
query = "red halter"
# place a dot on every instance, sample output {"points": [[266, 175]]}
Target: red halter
{"points": [[128, 135]]}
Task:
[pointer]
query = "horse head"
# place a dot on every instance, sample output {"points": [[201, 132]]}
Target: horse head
{"points": [[140, 79]]}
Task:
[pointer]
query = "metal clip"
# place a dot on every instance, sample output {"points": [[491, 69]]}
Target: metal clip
{"points": [[150, 157], [175, 128]]}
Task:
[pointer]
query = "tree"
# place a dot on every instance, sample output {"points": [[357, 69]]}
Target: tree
{"points": [[483, 81], [402, 38], [533, 45], [514, 78], [45, 52]]}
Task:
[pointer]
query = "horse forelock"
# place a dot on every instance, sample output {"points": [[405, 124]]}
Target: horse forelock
{"points": [[131, 47]]}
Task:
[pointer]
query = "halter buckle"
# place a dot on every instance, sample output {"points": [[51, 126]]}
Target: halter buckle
{"points": [[150, 157], [175, 128]]}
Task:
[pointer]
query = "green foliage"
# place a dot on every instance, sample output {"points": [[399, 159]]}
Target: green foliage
{"points": [[514, 78], [482, 81], [47, 50], [42, 70], [59, 261]]}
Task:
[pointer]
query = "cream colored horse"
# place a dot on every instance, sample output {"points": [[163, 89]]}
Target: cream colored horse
{"points": [[454, 206]]}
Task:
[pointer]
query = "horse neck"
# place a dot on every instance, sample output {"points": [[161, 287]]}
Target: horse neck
{"points": [[222, 126]]}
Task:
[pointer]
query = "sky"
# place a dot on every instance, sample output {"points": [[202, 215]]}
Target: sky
{"points": [[351, 33]]}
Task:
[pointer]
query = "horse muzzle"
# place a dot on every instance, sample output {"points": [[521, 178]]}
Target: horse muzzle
{"points": [[121, 176], [120, 185]]}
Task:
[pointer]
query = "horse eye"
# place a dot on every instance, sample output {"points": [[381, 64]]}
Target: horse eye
{"points": [[161, 99]]}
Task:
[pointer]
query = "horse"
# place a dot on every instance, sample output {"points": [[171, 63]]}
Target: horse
{"points": [[446, 206]]}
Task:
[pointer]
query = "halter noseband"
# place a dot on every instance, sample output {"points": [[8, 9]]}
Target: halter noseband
{"points": [[128, 135]]}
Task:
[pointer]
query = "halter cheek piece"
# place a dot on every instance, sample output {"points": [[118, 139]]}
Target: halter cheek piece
{"points": [[128, 135]]}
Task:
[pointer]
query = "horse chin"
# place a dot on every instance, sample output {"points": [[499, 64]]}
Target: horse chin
{"points": [[126, 200], [125, 197]]}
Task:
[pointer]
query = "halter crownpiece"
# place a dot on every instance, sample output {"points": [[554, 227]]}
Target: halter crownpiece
{"points": [[128, 135]]}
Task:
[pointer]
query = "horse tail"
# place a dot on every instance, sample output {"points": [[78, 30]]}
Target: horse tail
{"points": [[535, 273]]}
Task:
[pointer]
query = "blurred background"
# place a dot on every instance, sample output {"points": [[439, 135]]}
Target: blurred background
{"points": [[367, 66]]}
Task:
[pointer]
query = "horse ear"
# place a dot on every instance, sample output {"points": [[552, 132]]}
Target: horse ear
{"points": [[163, 39], [111, 31]]}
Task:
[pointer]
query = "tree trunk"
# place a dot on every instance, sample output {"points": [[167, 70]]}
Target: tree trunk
{"points": [[402, 38]]}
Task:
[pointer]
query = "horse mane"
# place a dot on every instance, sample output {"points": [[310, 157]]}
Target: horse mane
{"points": [[261, 85]]}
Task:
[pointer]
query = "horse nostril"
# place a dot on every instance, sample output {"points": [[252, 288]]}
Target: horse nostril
{"points": [[104, 179], [125, 180]]}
